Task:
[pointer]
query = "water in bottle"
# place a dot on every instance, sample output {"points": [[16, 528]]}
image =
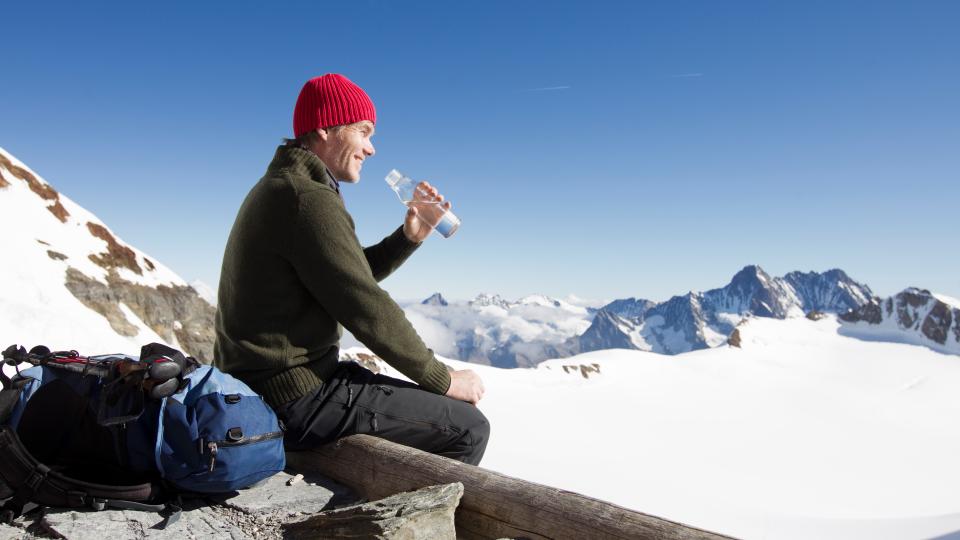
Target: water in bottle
{"points": [[429, 211]]}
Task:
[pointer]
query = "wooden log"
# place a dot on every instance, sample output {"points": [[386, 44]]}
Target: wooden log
{"points": [[494, 505]]}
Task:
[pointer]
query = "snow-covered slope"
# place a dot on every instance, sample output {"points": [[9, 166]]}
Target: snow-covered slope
{"points": [[67, 281], [801, 433]]}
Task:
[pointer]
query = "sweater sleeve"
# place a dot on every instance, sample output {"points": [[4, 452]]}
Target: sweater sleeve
{"points": [[387, 255], [329, 260]]}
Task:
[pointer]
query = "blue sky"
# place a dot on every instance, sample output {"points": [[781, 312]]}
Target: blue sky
{"points": [[604, 149]]}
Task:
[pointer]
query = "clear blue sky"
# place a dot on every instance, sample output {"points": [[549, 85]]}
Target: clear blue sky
{"points": [[605, 149]]}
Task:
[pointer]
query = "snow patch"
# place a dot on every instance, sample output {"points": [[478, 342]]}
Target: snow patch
{"points": [[948, 300]]}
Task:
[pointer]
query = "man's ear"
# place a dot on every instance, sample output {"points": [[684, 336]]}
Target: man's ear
{"points": [[323, 134]]}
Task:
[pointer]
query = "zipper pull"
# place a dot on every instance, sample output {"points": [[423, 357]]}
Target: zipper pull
{"points": [[212, 446]]}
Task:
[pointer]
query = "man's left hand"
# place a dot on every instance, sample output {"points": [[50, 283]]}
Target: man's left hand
{"points": [[424, 212]]}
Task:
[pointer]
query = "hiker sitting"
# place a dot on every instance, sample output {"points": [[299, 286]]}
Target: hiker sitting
{"points": [[294, 272]]}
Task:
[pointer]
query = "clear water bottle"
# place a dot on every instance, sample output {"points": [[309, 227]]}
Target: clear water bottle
{"points": [[429, 211]]}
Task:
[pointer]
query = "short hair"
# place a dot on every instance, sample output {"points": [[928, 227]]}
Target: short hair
{"points": [[309, 138]]}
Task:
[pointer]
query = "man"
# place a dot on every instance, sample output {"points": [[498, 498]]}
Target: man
{"points": [[294, 272]]}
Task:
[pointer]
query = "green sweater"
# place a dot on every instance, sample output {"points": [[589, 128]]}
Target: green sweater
{"points": [[293, 273]]}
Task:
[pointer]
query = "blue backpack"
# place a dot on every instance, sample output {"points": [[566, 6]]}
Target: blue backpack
{"points": [[128, 432]]}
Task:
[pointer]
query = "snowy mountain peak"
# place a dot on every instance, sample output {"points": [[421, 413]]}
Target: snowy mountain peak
{"points": [[699, 320], [539, 300], [629, 308], [750, 276], [484, 299], [752, 291], [609, 331], [916, 292], [831, 291], [436, 299]]}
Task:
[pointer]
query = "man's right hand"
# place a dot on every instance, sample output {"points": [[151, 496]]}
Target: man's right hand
{"points": [[465, 385]]}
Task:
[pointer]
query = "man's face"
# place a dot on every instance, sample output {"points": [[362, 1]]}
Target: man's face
{"points": [[345, 149]]}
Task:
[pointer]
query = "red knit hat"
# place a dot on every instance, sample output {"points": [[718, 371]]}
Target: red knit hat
{"points": [[331, 100]]}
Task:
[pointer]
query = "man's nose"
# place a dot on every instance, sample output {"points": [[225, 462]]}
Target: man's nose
{"points": [[369, 150]]}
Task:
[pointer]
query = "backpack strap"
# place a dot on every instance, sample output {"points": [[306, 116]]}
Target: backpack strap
{"points": [[171, 511], [33, 481], [10, 396]]}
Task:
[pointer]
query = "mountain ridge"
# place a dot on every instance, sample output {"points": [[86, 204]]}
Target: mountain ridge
{"points": [[692, 321], [73, 283]]}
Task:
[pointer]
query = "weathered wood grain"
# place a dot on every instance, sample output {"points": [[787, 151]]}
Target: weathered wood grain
{"points": [[493, 505]]}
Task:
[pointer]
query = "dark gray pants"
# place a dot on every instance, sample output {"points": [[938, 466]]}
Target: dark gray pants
{"points": [[355, 400]]}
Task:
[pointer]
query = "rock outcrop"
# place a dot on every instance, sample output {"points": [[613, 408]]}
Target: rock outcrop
{"points": [[424, 514], [176, 313], [916, 313], [734, 339], [44, 190]]}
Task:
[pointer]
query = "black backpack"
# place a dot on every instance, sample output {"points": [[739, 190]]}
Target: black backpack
{"points": [[125, 432]]}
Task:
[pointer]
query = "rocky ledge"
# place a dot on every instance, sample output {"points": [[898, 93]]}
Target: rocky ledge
{"points": [[284, 506]]}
